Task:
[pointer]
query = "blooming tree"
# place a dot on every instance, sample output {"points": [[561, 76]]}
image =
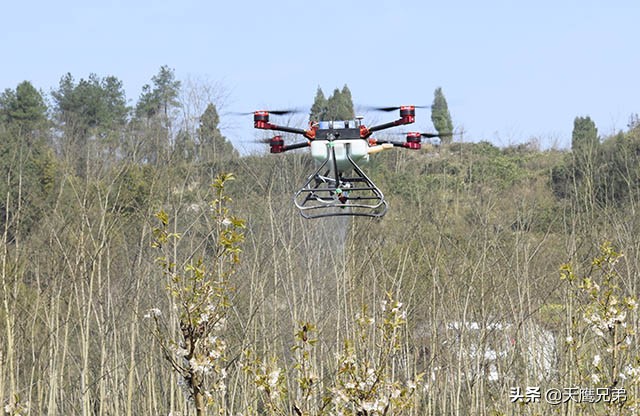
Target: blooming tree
{"points": [[199, 291], [603, 330], [363, 383]]}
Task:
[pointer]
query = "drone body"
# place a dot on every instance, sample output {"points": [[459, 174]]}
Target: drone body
{"points": [[339, 187]]}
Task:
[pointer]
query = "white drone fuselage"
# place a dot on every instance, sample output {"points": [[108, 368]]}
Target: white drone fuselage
{"points": [[356, 149], [341, 138]]}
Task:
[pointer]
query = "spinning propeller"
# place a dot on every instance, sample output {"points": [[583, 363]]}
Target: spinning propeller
{"points": [[393, 108], [427, 135], [274, 112]]}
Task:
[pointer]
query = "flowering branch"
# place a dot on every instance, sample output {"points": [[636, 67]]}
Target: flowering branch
{"points": [[200, 294]]}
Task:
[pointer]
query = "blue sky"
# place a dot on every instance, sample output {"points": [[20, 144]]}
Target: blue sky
{"points": [[511, 71]]}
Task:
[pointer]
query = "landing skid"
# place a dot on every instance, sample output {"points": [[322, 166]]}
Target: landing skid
{"points": [[331, 194]]}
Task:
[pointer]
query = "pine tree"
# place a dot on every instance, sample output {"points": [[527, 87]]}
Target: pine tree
{"points": [[440, 116], [319, 107], [213, 145], [27, 165], [345, 105], [154, 110], [90, 115], [584, 137], [160, 98], [585, 146], [339, 106]]}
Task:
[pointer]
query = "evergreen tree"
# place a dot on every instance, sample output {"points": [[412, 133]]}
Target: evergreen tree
{"points": [[333, 103], [319, 107], [212, 144], [23, 109], [584, 137], [585, 146], [344, 108], [93, 104], [154, 110], [93, 111], [339, 106], [161, 97], [440, 116], [27, 165]]}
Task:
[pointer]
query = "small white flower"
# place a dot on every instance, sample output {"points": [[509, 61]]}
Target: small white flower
{"points": [[204, 318], [368, 406], [569, 339], [220, 324], [273, 377], [215, 354], [597, 330], [596, 360], [595, 379], [225, 222], [153, 313]]}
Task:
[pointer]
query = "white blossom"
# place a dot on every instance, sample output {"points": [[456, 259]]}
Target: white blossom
{"points": [[153, 313], [204, 318], [273, 378]]}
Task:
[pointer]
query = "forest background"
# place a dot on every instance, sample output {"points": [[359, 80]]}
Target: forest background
{"points": [[495, 270]]}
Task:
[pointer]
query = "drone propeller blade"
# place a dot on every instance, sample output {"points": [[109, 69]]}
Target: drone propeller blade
{"points": [[274, 112], [284, 112], [393, 108], [426, 135], [432, 135]]}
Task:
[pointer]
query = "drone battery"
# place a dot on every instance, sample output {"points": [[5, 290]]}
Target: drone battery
{"points": [[357, 149]]}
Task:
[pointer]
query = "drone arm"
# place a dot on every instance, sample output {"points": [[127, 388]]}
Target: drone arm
{"points": [[407, 116], [268, 126], [385, 126], [399, 144], [398, 122], [295, 146]]}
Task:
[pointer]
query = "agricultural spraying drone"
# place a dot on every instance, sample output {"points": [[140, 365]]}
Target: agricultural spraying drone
{"points": [[339, 187]]}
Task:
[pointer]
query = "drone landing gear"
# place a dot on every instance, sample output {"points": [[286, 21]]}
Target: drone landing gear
{"points": [[335, 195]]}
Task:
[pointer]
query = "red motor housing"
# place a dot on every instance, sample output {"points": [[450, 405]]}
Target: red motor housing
{"points": [[261, 119], [413, 141], [277, 144], [408, 114], [261, 116], [407, 111]]}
